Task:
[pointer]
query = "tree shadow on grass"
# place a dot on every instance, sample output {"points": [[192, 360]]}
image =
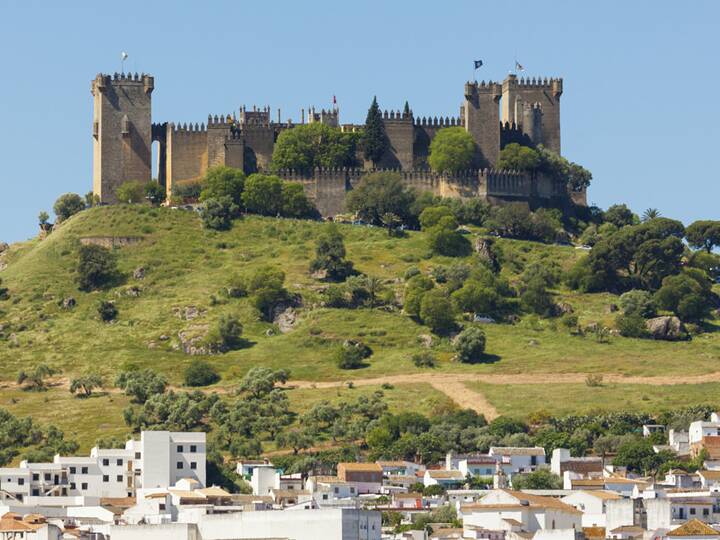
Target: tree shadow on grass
{"points": [[486, 359]]}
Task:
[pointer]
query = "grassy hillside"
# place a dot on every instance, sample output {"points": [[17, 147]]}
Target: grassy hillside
{"points": [[186, 265]]}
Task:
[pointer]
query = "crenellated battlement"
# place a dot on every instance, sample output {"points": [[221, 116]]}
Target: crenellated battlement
{"points": [[221, 121], [397, 116], [188, 128], [538, 82], [448, 121]]}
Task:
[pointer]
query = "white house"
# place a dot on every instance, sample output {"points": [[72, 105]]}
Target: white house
{"points": [[518, 459], [700, 429], [477, 466], [592, 504], [709, 480], [694, 530], [30, 527], [443, 478]]}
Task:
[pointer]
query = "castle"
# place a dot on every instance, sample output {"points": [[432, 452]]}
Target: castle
{"points": [[521, 110]]}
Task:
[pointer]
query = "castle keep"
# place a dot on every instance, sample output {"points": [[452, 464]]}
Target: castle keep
{"points": [[526, 111]]}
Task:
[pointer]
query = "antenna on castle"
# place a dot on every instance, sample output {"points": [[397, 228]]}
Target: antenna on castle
{"points": [[123, 57]]}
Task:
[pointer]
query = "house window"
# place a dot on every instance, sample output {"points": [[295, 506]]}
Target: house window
{"points": [[83, 486], [21, 481], [692, 511], [706, 512], [119, 462], [36, 477], [47, 477], [337, 490], [325, 496], [193, 465], [352, 490], [72, 485], [137, 455], [106, 477], [84, 470], [162, 506], [72, 470], [36, 492], [193, 448], [180, 448], [106, 462], [179, 464], [119, 478]]}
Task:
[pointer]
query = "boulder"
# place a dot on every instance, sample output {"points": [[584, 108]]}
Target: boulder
{"points": [[426, 340], [612, 308], [139, 273], [188, 313], [320, 274], [286, 320], [4, 247], [484, 249], [192, 340], [667, 328], [563, 307], [133, 291], [164, 337], [68, 303]]}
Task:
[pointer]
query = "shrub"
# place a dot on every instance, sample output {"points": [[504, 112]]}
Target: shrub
{"points": [[131, 192], [200, 373], [308, 146], [107, 311], [416, 287], [451, 150], [236, 287], [432, 215], [218, 213], [632, 325], [445, 239], [518, 158], [97, 267], [437, 312], [141, 384], [686, 294], [330, 255], [594, 380], [227, 334], [265, 286], [263, 195], [68, 205], [411, 272], [470, 345], [154, 193], [295, 202], [350, 355], [220, 182], [187, 191], [516, 221], [424, 359], [35, 379], [536, 299], [378, 194], [637, 302]]}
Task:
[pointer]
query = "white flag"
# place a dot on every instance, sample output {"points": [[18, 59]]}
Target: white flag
{"points": [[124, 55], [518, 66]]}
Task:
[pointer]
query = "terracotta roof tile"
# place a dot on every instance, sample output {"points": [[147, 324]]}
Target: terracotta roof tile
{"points": [[694, 527]]}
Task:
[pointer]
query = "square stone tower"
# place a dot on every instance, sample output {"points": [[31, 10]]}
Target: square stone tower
{"points": [[481, 116], [122, 132]]}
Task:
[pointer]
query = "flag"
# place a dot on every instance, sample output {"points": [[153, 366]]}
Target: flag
{"points": [[478, 63], [334, 100], [518, 66], [123, 55]]}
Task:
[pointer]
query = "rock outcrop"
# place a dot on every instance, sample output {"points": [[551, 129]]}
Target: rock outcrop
{"points": [[666, 328]]}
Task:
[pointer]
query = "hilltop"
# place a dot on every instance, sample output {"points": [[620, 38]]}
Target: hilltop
{"points": [[174, 271]]}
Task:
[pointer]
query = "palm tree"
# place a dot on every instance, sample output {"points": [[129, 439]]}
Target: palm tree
{"points": [[650, 213]]}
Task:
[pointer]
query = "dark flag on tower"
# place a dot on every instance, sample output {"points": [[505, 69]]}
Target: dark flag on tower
{"points": [[478, 63]]}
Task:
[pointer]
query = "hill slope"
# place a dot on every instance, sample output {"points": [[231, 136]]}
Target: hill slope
{"points": [[186, 266]]}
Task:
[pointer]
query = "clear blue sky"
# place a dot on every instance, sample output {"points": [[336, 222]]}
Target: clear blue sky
{"points": [[639, 109]]}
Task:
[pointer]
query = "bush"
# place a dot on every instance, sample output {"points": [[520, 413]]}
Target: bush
{"points": [[131, 192], [470, 345], [141, 384], [637, 302], [263, 195], [445, 239], [451, 150], [330, 255], [516, 157], [416, 287], [97, 267], [186, 192], [107, 311], [220, 182], [632, 325], [68, 205], [350, 355], [516, 221], [424, 359], [378, 194], [437, 312], [308, 146], [295, 203], [688, 295], [536, 299], [432, 215], [227, 335], [155, 193], [218, 213], [200, 373], [265, 286]]}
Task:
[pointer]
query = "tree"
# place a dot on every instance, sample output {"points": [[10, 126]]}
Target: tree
{"points": [[575, 177], [315, 145], [638, 456], [222, 181], [258, 382], [437, 312], [444, 238], [515, 220], [451, 150], [43, 218], [540, 479], [84, 385], [97, 267], [650, 213], [218, 213], [415, 289], [68, 205], [637, 302], [535, 298], [518, 158], [265, 287], [131, 192], [350, 355], [330, 255], [263, 195], [35, 379], [227, 334], [378, 194], [620, 215], [688, 295], [295, 202], [107, 310], [375, 142], [297, 439], [470, 345], [432, 215], [704, 234], [141, 384], [200, 373], [154, 193]]}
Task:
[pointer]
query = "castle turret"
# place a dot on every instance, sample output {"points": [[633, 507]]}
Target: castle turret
{"points": [[482, 120], [122, 132]]}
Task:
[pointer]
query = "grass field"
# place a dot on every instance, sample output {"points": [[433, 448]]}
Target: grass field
{"points": [[186, 265]]}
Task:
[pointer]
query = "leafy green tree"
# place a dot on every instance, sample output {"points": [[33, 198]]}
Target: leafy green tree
{"points": [[154, 193], [518, 158], [186, 192], [631, 325], [437, 312], [503, 426], [43, 218], [263, 194], [432, 215], [637, 302], [470, 345], [315, 145], [91, 199], [97, 267], [350, 355], [218, 213], [171, 411], [707, 262], [517, 221], [575, 177], [451, 150], [375, 141], [227, 334], [445, 239], [68, 205], [415, 289], [540, 479], [259, 382], [141, 384], [330, 255], [107, 310], [378, 194], [638, 456], [297, 439], [620, 215], [131, 192], [295, 202], [220, 182], [535, 298], [200, 373], [84, 385], [688, 295], [266, 290], [36, 378], [704, 235]]}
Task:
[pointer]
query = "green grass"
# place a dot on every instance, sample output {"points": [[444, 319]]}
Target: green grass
{"points": [[187, 265], [521, 400]]}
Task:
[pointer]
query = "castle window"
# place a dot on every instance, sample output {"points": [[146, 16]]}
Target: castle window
{"points": [[125, 125]]}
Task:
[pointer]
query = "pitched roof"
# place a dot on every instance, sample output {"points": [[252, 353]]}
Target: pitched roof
{"points": [[541, 501], [518, 450], [604, 494], [363, 467], [13, 523], [694, 527], [446, 475], [628, 529], [710, 475], [594, 532], [213, 491]]}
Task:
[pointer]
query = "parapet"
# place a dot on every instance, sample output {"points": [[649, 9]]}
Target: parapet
{"points": [[475, 88], [397, 115], [435, 122], [188, 128], [221, 121], [102, 80], [553, 84]]}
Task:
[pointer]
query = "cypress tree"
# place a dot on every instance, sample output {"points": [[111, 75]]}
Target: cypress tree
{"points": [[406, 110], [375, 139]]}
